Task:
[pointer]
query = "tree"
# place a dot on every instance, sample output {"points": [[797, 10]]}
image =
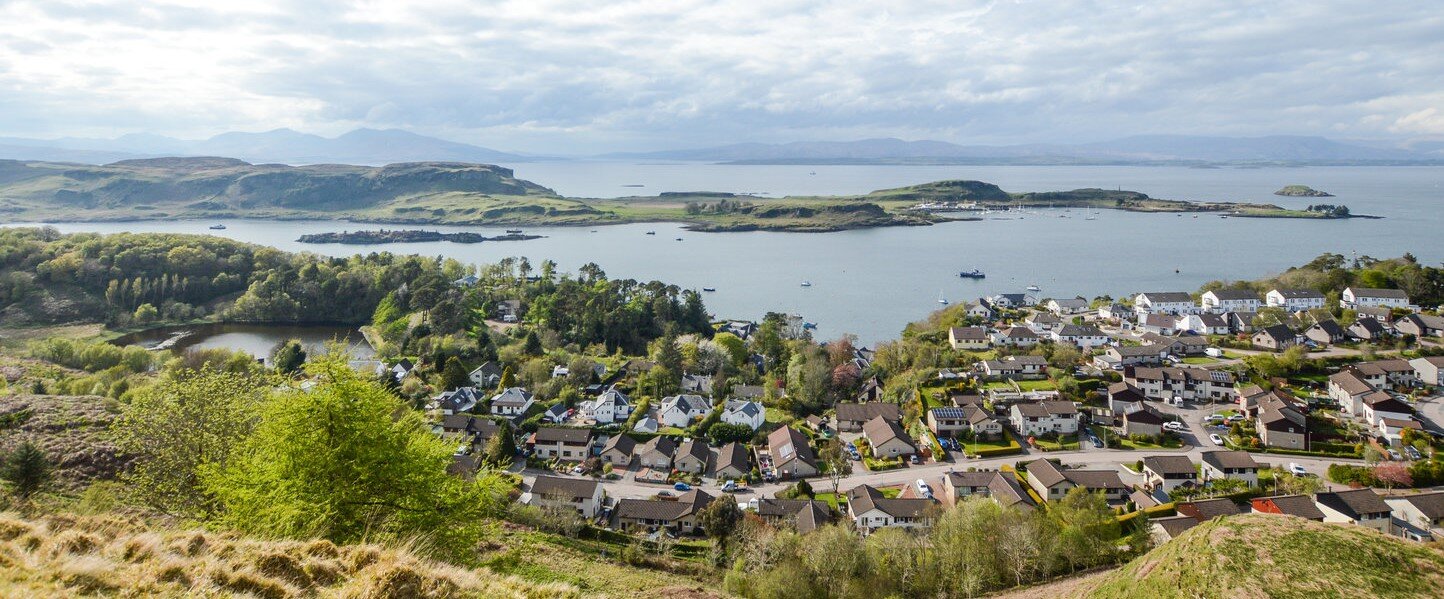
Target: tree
{"points": [[734, 346], [454, 375], [146, 313], [288, 356], [346, 461], [27, 470], [500, 449], [1393, 474], [188, 418], [720, 518], [508, 379], [533, 345], [838, 465], [723, 433]]}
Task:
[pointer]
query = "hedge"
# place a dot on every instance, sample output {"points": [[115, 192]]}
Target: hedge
{"points": [[1316, 454]]}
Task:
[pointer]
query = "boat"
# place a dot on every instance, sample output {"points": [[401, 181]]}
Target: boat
{"points": [[972, 274], [709, 289], [679, 239], [1034, 288], [807, 283], [513, 231], [812, 173], [942, 300], [651, 232], [1090, 218], [809, 325], [1223, 216], [218, 227]]}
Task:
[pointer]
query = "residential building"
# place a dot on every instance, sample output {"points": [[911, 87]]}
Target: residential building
{"points": [[1081, 336], [1013, 300], [1392, 429], [1326, 332], [1354, 297], [464, 465], [1219, 301], [1359, 506], [680, 410], [851, 416], [871, 510], [1052, 481], [468, 428], [511, 402], [680, 516], [1165, 529], [1422, 512], [982, 310], [1348, 388], [1067, 307], [1241, 322], [1230, 465], [1181, 384], [1143, 421], [1015, 337], [1205, 323], [657, 453], [1387, 373], [1379, 406], [1380, 313], [1013, 367], [1294, 300], [1421, 325], [1041, 418], [486, 376], [1169, 472], [1160, 323], [1118, 312], [888, 439], [789, 454], [1001, 487], [1042, 323], [1282, 426], [1124, 398], [951, 422], [803, 515], [647, 424], [1171, 302], [455, 401], [1276, 337], [1369, 329], [975, 338], [1116, 358], [1207, 509], [563, 443], [1430, 370], [618, 450], [697, 384], [745, 413], [731, 462], [1300, 506], [611, 407], [584, 495], [556, 413], [692, 456]]}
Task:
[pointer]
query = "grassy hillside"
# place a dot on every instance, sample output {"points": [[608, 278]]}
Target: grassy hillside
{"points": [[1271, 556]]}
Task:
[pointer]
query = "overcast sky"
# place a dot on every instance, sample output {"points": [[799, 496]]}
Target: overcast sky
{"points": [[559, 76]]}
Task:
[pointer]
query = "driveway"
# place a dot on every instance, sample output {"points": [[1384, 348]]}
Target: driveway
{"points": [[1431, 411]]}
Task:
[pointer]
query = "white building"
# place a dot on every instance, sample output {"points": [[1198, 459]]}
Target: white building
{"points": [[1219, 301], [746, 413], [1364, 297], [1081, 336], [581, 494], [1045, 417], [1171, 302], [512, 401], [1294, 300], [681, 410], [610, 407]]}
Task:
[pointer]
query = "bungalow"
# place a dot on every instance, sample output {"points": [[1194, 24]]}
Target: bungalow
{"points": [[790, 455], [1166, 529], [486, 376], [1294, 300], [745, 413], [888, 439], [852, 416], [610, 407], [584, 495], [1282, 426], [564, 443], [455, 401], [1001, 487], [1299, 506], [1067, 307], [1043, 417], [1171, 302], [1392, 429], [1421, 511], [692, 456], [1144, 421], [400, 369], [950, 422], [1012, 367], [748, 392], [1430, 370], [1081, 336], [1188, 384], [1368, 329], [1015, 337], [1354, 297], [471, 429], [1326, 332], [1359, 506], [1380, 405], [804, 515], [872, 510], [1169, 472], [1208, 509], [1241, 322], [1207, 323], [1421, 325], [557, 413], [680, 515], [1043, 322], [968, 338], [1116, 358], [657, 452], [982, 310], [681, 410], [1159, 324], [512, 401], [1052, 481], [1179, 346], [1119, 312], [731, 462], [1276, 337], [619, 449], [1231, 300], [647, 424], [1230, 465], [1013, 300]]}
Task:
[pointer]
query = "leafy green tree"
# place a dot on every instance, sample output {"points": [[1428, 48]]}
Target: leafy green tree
{"points": [[386, 311], [188, 418], [533, 345], [288, 356], [508, 379], [838, 465], [27, 469], [734, 346], [346, 461], [720, 519], [500, 449], [723, 433], [146, 313], [454, 375]]}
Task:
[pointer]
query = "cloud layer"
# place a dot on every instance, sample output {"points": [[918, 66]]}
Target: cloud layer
{"points": [[563, 76]]}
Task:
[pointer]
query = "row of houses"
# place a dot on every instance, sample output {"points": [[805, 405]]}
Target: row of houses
{"points": [[1039, 327], [1243, 300], [1418, 516]]}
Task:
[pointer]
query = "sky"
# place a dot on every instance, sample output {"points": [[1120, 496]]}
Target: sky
{"points": [[630, 75]]}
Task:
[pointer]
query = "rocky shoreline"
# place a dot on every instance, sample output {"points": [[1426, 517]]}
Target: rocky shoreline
{"points": [[407, 236]]}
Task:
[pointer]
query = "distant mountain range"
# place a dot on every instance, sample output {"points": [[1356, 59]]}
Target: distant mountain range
{"points": [[285, 146], [1138, 149]]}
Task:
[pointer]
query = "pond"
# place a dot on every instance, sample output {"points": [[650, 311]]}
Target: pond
{"points": [[255, 339]]}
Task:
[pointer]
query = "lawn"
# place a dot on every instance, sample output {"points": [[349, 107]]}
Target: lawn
{"points": [[1062, 445], [835, 499], [1199, 360], [1039, 385]]}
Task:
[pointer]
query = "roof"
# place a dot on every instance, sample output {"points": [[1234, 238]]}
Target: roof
{"points": [[863, 498], [1019, 333], [1169, 464], [1170, 297], [696, 449], [1430, 504], [1050, 474], [470, 424], [732, 455], [970, 333], [1078, 330], [863, 412], [1280, 332], [1182, 374], [1229, 459], [1298, 293], [651, 509], [511, 396], [1381, 401], [1350, 382], [1295, 505], [880, 430], [1353, 503], [1144, 416], [786, 444], [1165, 321], [1235, 294], [567, 435], [1329, 327], [1379, 293], [1174, 525], [746, 408], [1045, 409], [660, 443], [1075, 302], [620, 442], [686, 403], [1208, 509], [1134, 351], [565, 488]]}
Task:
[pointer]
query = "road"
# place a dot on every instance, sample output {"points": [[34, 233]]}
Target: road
{"points": [[1431, 411]]}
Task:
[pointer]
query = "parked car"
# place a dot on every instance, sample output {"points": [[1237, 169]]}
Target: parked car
{"points": [[1297, 470], [729, 486], [1394, 455], [1096, 441], [924, 489], [1214, 418], [1217, 440], [578, 469], [1173, 425], [1213, 352], [682, 487], [913, 459], [1412, 453], [1236, 418]]}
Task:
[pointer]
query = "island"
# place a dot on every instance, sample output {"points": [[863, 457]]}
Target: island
{"points": [[1302, 191], [406, 236], [465, 194]]}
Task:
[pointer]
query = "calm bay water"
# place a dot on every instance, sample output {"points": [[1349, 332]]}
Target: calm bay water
{"points": [[872, 282]]}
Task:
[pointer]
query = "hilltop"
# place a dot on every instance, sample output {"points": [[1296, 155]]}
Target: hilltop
{"points": [[1273, 556], [1302, 191]]}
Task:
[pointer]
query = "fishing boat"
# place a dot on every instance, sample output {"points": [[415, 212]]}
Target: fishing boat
{"points": [[513, 231], [1034, 288], [651, 232], [972, 274], [709, 289], [807, 283], [218, 227], [679, 239]]}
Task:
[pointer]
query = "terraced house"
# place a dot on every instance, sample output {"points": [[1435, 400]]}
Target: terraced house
{"points": [[1185, 384]]}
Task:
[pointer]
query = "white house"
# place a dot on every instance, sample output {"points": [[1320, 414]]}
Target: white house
{"points": [[1230, 465], [1429, 370], [1219, 301], [581, 494], [610, 407], [1015, 337], [1045, 417], [746, 413], [1169, 472], [681, 410], [486, 376], [1066, 307], [1421, 511], [1294, 300], [1013, 366], [968, 338], [1171, 302], [512, 401], [1357, 297], [1081, 336], [871, 510], [1190, 384], [1207, 323]]}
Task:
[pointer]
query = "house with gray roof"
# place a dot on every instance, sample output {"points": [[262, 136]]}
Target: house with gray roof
{"points": [[584, 495]]}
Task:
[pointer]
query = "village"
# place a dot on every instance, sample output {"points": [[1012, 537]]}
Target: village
{"points": [[1173, 406]]}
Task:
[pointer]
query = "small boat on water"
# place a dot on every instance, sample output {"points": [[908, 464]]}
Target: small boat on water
{"points": [[807, 283], [812, 173], [1034, 288], [972, 274], [809, 325], [513, 231], [1091, 218], [709, 289], [1223, 216], [651, 232], [679, 239], [218, 227], [942, 300]]}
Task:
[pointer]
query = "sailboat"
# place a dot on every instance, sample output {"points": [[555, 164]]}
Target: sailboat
{"points": [[942, 300], [807, 283]]}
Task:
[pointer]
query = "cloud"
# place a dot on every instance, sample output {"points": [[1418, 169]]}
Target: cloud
{"points": [[560, 76]]}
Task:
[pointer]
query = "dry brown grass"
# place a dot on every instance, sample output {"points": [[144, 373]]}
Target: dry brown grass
{"points": [[66, 556]]}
